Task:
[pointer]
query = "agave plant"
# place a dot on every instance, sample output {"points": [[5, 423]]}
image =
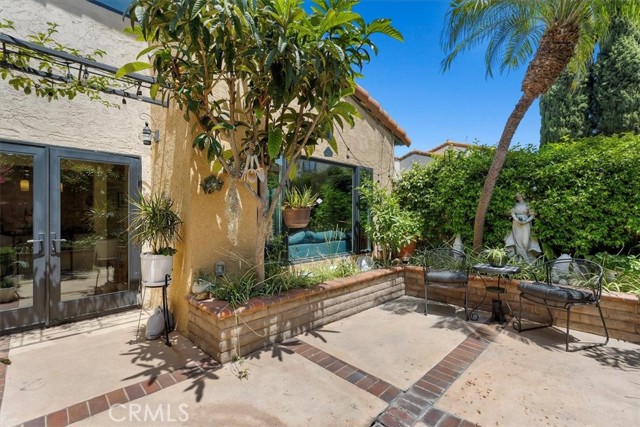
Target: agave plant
{"points": [[296, 198]]}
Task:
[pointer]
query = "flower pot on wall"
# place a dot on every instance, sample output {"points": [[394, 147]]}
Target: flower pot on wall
{"points": [[154, 268], [296, 217]]}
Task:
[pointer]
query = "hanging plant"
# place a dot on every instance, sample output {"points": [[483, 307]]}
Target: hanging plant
{"points": [[211, 184]]}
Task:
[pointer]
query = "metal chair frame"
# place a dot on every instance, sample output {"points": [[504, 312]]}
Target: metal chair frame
{"points": [[447, 261], [587, 276]]}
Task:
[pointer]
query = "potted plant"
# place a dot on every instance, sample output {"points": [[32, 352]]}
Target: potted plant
{"points": [[496, 257], [389, 226], [11, 282], [296, 207], [155, 223]]}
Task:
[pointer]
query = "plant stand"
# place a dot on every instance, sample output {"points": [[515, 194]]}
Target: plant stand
{"points": [[165, 304]]}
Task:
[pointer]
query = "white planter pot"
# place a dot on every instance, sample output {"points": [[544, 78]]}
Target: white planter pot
{"points": [[154, 268]]}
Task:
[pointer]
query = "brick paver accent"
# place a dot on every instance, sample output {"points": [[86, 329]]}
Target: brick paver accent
{"points": [[355, 376], [417, 404], [91, 407]]}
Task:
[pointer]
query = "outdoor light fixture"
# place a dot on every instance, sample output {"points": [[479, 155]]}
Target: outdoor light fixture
{"points": [[147, 134]]}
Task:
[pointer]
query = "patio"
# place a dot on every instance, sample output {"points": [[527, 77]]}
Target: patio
{"points": [[406, 370]]}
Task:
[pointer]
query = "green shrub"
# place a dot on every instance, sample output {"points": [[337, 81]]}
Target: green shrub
{"points": [[585, 193]]}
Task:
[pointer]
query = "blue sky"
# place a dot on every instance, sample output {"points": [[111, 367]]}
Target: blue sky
{"points": [[460, 105]]}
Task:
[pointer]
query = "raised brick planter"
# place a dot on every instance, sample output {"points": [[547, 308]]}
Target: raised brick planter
{"points": [[223, 332], [621, 311]]}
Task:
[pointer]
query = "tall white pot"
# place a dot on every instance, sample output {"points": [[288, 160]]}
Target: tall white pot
{"points": [[154, 268]]}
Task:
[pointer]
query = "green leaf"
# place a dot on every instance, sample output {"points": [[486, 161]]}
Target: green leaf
{"points": [[132, 67], [275, 141], [196, 7]]}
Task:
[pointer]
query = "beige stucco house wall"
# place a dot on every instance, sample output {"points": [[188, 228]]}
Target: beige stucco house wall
{"points": [[79, 123]]}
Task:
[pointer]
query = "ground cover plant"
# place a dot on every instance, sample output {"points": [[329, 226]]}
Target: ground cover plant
{"points": [[237, 289]]}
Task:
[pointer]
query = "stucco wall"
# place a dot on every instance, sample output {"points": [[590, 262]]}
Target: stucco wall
{"points": [[79, 123], [370, 145]]}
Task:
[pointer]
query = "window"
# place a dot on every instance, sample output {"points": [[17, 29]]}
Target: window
{"points": [[332, 227]]}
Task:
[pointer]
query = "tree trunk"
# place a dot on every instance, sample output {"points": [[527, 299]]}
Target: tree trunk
{"points": [[496, 166], [262, 230]]}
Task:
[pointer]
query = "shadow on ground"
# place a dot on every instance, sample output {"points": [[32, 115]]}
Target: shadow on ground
{"points": [[155, 358]]}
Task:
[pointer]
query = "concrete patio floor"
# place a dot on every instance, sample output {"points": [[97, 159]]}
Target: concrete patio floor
{"points": [[387, 366]]}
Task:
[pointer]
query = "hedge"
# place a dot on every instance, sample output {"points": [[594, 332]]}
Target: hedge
{"points": [[585, 193]]}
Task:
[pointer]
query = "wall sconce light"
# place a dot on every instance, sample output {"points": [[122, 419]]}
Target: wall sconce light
{"points": [[148, 135]]}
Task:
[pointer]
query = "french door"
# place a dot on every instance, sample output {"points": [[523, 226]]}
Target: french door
{"points": [[64, 247]]}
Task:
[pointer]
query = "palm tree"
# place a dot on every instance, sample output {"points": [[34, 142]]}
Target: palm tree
{"points": [[559, 33]]}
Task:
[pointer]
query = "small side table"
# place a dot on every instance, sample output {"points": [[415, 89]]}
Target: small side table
{"points": [[488, 270]]}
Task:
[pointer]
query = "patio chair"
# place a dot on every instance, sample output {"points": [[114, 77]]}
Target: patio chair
{"points": [[445, 268], [568, 282]]}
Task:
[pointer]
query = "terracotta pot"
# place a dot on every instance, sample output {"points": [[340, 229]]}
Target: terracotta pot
{"points": [[408, 250], [296, 217]]}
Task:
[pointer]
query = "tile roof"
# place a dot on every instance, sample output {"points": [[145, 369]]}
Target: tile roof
{"points": [[374, 107]]}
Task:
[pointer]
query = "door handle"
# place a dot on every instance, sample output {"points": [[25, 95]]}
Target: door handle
{"points": [[39, 242], [54, 241]]}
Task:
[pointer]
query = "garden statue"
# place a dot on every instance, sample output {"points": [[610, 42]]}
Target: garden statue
{"points": [[520, 243]]}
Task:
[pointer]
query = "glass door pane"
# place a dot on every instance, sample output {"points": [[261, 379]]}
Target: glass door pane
{"points": [[16, 227], [93, 224], [91, 268], [22, 232]]}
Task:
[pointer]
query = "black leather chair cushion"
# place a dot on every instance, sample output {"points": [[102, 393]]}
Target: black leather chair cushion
{"points": [[555, 293], [446, 276]]}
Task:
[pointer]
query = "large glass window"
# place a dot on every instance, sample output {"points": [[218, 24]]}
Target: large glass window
{"points": [[330, 229]]}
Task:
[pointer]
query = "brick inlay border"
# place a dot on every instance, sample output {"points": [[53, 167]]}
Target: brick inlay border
{"points": [[121, 396], [416, 404], [346, 371]]}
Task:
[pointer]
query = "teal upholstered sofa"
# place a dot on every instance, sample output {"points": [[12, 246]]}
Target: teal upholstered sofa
{"points": [[318, 244]]}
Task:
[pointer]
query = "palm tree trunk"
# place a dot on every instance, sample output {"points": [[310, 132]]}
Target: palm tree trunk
{"points": [[496, 166]]}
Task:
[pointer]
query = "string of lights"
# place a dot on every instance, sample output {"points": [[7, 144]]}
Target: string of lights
{"points": [[377, 175]]}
